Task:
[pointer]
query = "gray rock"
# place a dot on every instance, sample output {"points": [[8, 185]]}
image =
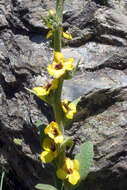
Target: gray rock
{"points": [[99, 33]]}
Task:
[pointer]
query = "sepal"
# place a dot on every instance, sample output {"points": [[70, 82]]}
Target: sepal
{"points": [[46, 22], [41, 127]]}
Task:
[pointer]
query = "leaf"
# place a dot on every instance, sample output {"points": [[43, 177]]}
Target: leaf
{"points": [[76, 68], [32, 91], [41, 127], [45, 187], [76, 101], [85, 158]]}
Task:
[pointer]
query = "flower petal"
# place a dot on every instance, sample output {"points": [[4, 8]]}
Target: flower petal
{"points": [[50, 33], [74, 177], [59, 139], [69, 164], [56, 73], [58, 57], [40, 91], [68, 64], [67, 35], [55, 84], [72, 107], [76, 164], [47, 157], [69, 114], [50, 69], [48, 132], [47, 144]]}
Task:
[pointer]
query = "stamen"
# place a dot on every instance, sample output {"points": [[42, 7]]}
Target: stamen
{"points": [[58, 66], [70, 171], [53, 148], [66, 106], [48, 86], [55, 132]]}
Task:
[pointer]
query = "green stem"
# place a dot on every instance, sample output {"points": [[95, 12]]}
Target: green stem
{"points": [[59, 115], [59, 9], [58, 30], [2, 179], [57, 39], [67, 186]]}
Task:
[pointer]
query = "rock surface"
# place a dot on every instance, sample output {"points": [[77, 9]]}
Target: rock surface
{"points": [[99, 31]]}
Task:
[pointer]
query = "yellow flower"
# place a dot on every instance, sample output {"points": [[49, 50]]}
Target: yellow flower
{"points": [[67, 35], [69, 109], [50, 150], [59, 65], [45, 90], [69, 171], [52, 130]]}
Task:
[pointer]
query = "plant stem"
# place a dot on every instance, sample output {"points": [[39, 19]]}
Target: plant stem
{"points": [[58, 30], [59, 9], [2, 179], [67, 186], [59, 115]]}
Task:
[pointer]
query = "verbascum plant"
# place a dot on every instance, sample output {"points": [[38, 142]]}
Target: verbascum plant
{"points": [[68, 172]]}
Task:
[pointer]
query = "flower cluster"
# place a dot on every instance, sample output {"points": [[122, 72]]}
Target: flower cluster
{"points": [[52, 16], [69, 169], [54, 139]]}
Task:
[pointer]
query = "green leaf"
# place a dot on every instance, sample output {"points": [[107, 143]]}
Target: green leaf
{"points": [[41, 127], [85, 158], [32, 91], [76, 101], [45, 187], [76, 68]]}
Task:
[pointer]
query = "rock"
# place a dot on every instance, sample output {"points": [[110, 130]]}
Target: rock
{"points": [[99, 33]]}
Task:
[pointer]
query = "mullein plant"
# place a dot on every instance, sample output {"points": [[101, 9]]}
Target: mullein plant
{"points": [[68, 172]]}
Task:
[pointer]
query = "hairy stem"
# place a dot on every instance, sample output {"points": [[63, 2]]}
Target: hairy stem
{"points": [[58, 30]]}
